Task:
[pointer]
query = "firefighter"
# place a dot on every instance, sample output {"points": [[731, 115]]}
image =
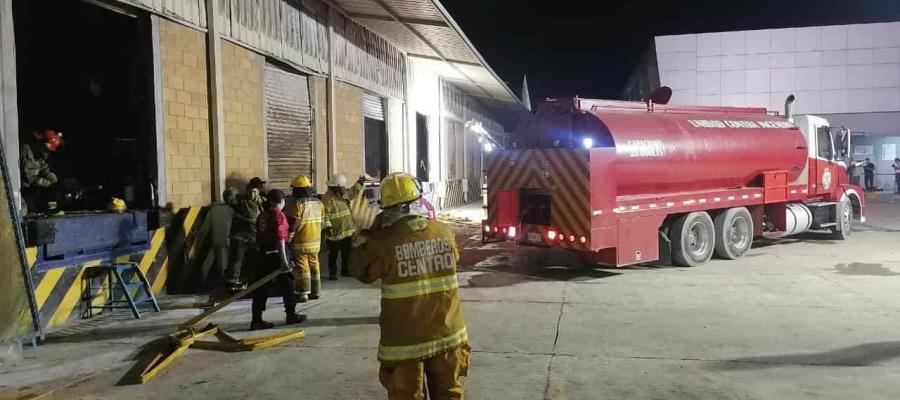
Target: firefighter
{"points": [[424, 342], [272, 235], [341, 226], [37, 178], [306, 237]]}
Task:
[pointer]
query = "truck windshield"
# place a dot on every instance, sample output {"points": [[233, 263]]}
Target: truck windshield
{"points": [[534, 207]]}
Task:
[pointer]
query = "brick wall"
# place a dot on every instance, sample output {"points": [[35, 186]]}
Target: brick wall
{"points": [[320, 123], [243, 112], [186, 114], [349, 122]]}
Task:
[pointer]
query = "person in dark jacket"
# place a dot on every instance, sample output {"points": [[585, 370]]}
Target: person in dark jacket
{"points": [[869, 172], [243, 235], [271, 238], [896, 167]]}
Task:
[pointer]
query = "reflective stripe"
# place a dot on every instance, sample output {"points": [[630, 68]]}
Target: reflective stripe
{"points": [[423, 350], [419, 288], [339, 214], [308, 246]]}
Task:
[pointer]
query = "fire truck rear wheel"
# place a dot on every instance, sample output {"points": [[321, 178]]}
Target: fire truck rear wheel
{"points": [[734, 233], [693, 239]]}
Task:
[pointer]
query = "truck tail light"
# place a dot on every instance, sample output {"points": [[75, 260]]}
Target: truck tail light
{"points": [[487, 229], [582, 239], [511, 233], [572, 238], [551, 234], [496, 229]]}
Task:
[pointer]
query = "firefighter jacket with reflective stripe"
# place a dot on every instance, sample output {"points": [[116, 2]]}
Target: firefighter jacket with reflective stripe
{"points": [[307, 215], [416, 260], [337, 212]]}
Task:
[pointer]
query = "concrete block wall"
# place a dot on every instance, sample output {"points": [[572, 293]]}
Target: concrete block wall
{"points": [[349, 126], [245, 155], [185, 115]]}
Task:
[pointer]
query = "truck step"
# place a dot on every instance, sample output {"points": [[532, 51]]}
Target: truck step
{"points": [[822, 204], [827, 225]]}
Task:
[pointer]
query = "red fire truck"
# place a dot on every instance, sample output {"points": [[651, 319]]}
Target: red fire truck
{"points": [[632, 182]]}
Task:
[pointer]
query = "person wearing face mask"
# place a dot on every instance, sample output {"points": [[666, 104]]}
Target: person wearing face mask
{"points": [[272, 235]]}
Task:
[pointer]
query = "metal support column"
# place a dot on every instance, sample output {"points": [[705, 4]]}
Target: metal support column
{"points": [[330, 99], [216, 115]]}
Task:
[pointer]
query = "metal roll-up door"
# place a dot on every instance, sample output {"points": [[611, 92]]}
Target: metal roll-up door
{"points": [[288, 127], [373, 107]]}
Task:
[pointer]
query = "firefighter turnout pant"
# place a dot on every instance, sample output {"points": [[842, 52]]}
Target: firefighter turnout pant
{"points": [[307, 265], [439, 375]]}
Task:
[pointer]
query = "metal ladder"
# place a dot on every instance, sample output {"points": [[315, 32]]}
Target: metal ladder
{"points": [[114, 280]]}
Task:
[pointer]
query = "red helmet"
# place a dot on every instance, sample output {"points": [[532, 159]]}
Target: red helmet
{"points": [[52, 139]]}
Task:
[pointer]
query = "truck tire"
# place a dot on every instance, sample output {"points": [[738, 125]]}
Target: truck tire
{"points": [[734, 233], [845, 221], [693, 239]]}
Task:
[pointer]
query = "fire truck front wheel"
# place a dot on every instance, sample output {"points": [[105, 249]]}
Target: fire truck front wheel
{"points": [[734, 233], [693, 239]]}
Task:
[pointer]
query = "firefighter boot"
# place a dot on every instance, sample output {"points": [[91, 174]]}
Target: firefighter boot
{"points": [[314, 293], [257, 323], [294, 318]]}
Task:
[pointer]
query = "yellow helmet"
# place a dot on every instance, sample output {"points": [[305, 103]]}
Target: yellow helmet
{"points": [[301, 182], [117, 205], [399, 188]]}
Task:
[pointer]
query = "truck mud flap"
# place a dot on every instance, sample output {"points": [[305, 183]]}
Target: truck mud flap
{"points": [[665, 251]]}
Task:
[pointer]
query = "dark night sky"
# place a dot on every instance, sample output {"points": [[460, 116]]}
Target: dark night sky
{"points": [[589, 48]]}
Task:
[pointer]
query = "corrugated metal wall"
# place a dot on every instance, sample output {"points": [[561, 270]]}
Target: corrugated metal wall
{"points": [[296, 32]]}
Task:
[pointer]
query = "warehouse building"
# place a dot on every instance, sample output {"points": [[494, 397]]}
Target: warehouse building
{"points": [[170, 102], [849, 74]]}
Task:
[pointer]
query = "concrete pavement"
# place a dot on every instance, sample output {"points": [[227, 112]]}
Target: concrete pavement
{"points": [[802, 318]]}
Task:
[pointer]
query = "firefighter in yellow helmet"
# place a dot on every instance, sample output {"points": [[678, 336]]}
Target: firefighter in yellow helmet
{"points": [[342, 227], [424, 342], [306, 237]]}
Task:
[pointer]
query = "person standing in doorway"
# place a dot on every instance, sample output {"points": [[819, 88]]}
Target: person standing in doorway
{"points": [[869, 172], [896, 167], [272, 235], [340, 224]]}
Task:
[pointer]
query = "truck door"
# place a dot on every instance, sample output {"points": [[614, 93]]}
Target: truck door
{"points": [[824, 176]]}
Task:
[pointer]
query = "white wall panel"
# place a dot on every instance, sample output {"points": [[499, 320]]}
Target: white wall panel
{"points": [[834, 37], [756, 61], [859, 56], [709, 63], [860, 36], [830, 69], [808, 78], [734, 43], [834, 57], [709, 83], [783, 79], [809, 39], [710, 100], [784, 40], [709, 44], [734, 62], [834, 101], [734, 82], [808, 59], [668, 44], [759, 42], [758, 80], [886, 55], [758, 99], [859, 76], [782, 60], [834, 77]]}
